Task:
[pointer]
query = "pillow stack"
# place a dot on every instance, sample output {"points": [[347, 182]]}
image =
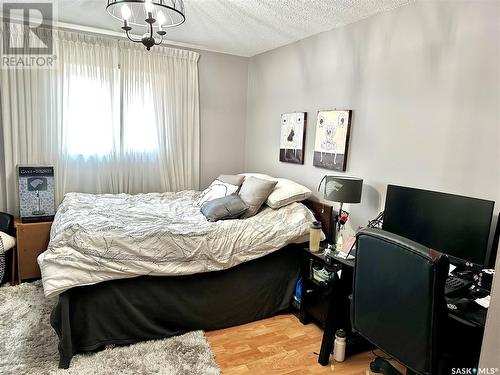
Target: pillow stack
{"points": [[230, 207], [242, 196], [285, 192], [254, 193], [223, 186]]}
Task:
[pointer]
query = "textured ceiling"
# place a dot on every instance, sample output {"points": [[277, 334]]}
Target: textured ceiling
{"points": [[240, 27]]}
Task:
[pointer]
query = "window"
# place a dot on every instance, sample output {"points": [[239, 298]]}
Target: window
{"points": [[90, 119], [139, 123], [100, 119]]}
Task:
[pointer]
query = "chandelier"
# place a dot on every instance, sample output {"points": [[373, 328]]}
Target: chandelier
{"points": [[153, 16]]}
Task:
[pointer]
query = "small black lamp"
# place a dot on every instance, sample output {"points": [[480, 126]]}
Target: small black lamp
{"points": [[342, 189]]}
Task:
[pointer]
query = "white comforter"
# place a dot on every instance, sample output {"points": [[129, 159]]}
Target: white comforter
{"points": [[95, 238]]}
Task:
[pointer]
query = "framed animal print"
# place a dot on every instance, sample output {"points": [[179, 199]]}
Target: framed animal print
{"points": [[293, 127], [332, 139]]}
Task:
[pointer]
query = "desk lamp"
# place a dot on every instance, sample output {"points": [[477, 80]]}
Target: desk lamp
{"points": [[342, 189]]}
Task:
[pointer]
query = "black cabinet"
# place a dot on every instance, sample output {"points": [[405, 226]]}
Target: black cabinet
{"points": [[328, 303], [315, 295]]}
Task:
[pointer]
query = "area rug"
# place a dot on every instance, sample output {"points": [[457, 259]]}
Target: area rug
{"points": [[28, 344]]}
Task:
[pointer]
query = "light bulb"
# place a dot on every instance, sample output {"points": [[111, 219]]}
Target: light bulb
{"points": [[125, 12], [149, 6], [160, 18]]}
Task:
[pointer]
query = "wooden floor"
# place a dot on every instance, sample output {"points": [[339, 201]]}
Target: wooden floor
{"points": [[278, 345]]}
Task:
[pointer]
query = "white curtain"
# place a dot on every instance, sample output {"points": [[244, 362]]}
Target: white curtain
{"points": [[28, 114], [111, 118], [167, 82], [88, 113]]}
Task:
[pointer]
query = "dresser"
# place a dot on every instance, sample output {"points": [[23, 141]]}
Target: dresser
{"points": [[32, 240]]}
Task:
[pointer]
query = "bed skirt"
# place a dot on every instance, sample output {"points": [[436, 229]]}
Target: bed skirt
{"points": [[127, 311]]}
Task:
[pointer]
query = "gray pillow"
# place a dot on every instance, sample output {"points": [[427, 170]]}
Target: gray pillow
{"points": [[254, 193], [232, 179], [224, 208]]}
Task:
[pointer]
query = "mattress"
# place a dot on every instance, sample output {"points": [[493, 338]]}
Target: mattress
{"points": [[95, 238]]}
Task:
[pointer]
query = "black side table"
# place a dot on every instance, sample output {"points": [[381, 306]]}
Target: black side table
{"points": [[336, 302], [315, 294]]}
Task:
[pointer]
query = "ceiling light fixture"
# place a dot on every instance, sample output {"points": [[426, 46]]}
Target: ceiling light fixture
{"points": [[150, 14]]}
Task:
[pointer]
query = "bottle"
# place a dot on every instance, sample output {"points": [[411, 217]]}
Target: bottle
{"points": [[340, 242], [314, 236], [339, 346]]}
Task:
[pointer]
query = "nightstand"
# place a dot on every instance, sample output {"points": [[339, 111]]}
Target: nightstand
{"points": [[32, 240], [316, 294], [328, 302]]}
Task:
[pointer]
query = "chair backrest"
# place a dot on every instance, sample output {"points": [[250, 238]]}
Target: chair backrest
{"points": [[398, 297], [6, 226], [7, 223]]}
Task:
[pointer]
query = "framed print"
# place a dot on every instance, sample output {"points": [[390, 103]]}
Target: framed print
{"points": [[36, 193], [293, 127], [332, 139]]}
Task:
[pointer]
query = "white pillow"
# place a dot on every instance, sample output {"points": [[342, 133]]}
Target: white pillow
{"points": [[286, 192], [258, 175], [217, 189], [8, 242]]}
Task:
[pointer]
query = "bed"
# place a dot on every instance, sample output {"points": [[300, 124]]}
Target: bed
{"points": [[131, 268]]}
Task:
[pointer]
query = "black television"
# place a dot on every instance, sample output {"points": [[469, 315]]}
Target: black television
{"points": [[455, 225]]}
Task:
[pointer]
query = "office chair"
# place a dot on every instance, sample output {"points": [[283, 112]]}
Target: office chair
{"points": [[398, 301], [6, 226]]}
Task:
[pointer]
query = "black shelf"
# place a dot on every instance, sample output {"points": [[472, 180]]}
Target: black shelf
{"points": [[320, 257], [320, 284], [328, 303]]}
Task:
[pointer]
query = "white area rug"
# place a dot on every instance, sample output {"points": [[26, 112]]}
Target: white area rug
{"points": [[28, 344]]}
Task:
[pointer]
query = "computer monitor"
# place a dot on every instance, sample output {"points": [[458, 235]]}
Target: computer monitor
{"points": [[452, 224]]}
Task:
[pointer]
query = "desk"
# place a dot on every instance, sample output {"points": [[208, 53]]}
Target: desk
{"points": [[474, 315], [464, 328]]}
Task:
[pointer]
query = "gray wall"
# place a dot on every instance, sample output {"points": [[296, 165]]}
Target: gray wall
{"points": [[423, 82], [223, 94]]}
